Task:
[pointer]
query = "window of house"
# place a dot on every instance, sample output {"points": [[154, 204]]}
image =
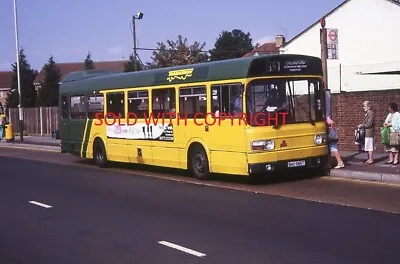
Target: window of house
{"points": [[138, 104], [192, 101]]}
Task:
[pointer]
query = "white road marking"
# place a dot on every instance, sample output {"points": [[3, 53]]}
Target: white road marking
{"points": [[40, 204], [186, 250]]}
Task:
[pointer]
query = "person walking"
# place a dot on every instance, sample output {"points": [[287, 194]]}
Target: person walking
{"points": [[369, 126], [333, 144]]}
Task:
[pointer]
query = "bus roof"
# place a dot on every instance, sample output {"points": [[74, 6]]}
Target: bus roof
{"points": [[96, 80]]}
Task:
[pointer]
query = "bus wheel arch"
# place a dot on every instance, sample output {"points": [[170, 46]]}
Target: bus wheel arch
{"points": [[198, 161], [99, 153]]}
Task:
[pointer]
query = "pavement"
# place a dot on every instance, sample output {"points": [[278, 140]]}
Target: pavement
{"points": [[59, 213], [354, 167]]}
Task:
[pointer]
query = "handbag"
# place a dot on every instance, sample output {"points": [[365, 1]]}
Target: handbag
{"points": [[385, 131], [333, 134], [394, 138], [359, 135]]}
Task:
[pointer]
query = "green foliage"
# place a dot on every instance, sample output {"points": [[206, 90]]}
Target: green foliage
{"points": [[27, 76], [129, 66], [176, 53], [230, 45], [48, 93], [89, 62]]}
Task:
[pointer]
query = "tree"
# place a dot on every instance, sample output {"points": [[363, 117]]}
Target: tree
{"points": [[177, 53], [129, 65], [48, 93], [230, 45], [88, 62], [27, 76]]}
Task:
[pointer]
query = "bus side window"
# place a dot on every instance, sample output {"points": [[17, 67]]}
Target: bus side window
{"points": [[115, 105], [78, 109], [193, 101], [138, 104], [64, 107], [227, 99], [164, 102], [95, 105]]}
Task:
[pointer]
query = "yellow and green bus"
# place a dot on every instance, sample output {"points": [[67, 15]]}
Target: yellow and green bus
{"points": [[241, 116]]}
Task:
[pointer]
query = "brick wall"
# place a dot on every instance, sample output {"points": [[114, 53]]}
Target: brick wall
{"points": [[348, 113]]}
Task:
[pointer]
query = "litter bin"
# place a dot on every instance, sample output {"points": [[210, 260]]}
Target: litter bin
{"points": [[9, 132]]}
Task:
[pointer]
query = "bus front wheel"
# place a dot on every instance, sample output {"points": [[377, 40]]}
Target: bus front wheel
{"points": [[199, 164], [99, 154]]}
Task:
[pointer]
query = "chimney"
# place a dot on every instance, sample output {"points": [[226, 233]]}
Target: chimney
{"points": [[280, 40]]}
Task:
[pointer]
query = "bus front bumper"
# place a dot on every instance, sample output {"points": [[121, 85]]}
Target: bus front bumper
{"points": [[307, 163]]}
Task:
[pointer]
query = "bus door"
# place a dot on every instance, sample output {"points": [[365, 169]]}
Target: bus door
{"points": [[165, 134], [116, 129], [303, 121], [65, 122], [139, 142], [77, 122], [226, 128], [193, 111]]}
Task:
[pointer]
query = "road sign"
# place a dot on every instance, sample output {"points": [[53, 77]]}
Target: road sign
{"points": [[332, 43]]}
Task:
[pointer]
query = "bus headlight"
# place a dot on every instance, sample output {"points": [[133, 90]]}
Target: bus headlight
{"points": [[319, 139], [261, 145]]}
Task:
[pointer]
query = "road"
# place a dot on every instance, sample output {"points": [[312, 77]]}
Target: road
{"points": [[120, 216]]}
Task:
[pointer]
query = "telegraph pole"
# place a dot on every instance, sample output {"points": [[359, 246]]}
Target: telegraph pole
{"points": [[138, 16], [21, 118], [134, 43], [324, 53]]}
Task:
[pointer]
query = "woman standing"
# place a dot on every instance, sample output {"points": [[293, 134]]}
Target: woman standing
{"points": [[369, 126], [393, 122]]}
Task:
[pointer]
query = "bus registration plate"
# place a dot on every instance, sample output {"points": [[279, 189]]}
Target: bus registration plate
{"points": [[298, 163]]}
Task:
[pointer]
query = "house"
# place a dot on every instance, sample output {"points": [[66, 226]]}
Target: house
{"points": [[5, 85], [367, 45], [69, 67], [268, 47], [364, 63]]}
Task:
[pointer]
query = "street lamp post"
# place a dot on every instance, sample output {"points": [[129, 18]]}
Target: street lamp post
{"points": [[138, 16], [21, 122]]}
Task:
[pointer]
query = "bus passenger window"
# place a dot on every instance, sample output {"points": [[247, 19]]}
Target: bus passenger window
{"points": [[78, 109], [163, 101], [95, 105], [115, 105], [64, 107], [138, 104], [193, 101], [227, 99]]}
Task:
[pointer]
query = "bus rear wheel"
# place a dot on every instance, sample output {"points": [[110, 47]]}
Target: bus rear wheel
{"points": [[99, 154], [199, 164]]}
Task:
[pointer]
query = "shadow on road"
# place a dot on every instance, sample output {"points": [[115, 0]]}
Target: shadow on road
{"points": [[260, 179]]}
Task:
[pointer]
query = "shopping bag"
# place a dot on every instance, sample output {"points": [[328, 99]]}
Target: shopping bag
{"points": [[394, 139], [385, 131]]}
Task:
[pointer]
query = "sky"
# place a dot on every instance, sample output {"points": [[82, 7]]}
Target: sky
{"points": [[68, 29]]}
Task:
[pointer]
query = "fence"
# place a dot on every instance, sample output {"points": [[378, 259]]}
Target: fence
{"points": [[37, 120]]}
